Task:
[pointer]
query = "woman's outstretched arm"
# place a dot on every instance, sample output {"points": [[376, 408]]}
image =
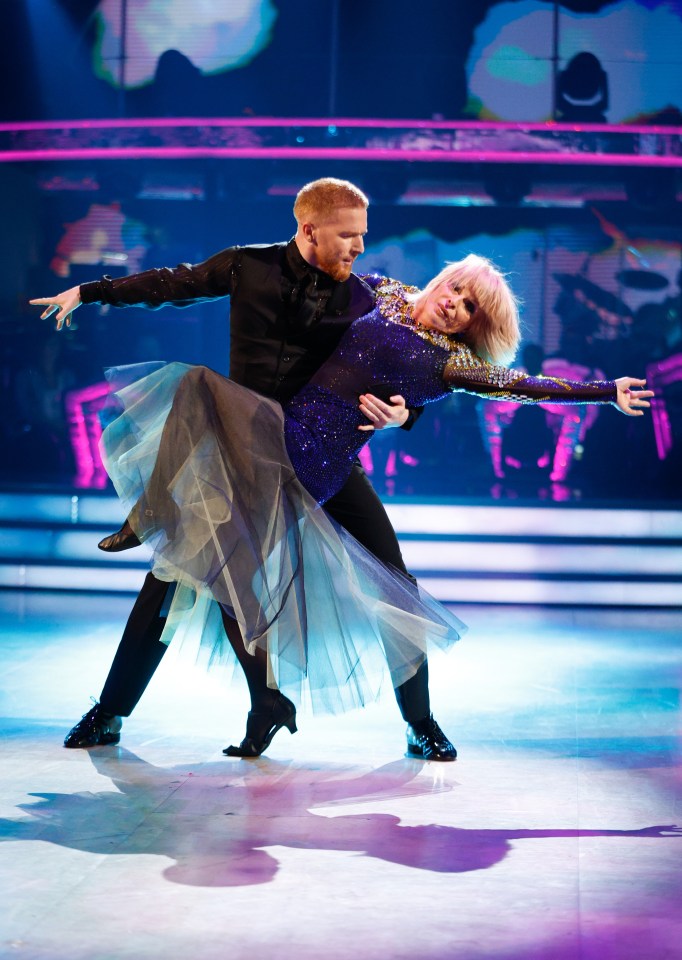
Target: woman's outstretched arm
{"points": [[467, 372]]}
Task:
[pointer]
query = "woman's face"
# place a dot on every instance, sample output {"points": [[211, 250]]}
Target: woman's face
{"points": [[448, 308]]}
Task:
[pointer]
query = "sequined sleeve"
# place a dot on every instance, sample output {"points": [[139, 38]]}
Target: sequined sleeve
{"points": [[178, 286], [467, 372]]}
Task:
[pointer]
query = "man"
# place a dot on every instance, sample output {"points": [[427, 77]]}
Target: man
{"points": [[290, 304]]}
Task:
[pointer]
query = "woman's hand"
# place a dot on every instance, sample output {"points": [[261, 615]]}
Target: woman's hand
{"points": [[381, 414], [64, 304], [630, 401]]}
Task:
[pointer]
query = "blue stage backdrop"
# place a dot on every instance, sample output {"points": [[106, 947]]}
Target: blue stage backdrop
{"points": [[593, 249]]}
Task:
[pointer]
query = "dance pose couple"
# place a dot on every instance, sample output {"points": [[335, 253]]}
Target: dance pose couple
{"points": [[264, 530]]}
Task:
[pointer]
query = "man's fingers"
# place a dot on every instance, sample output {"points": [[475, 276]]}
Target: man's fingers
{"points": [[63, 315], [380, 408], [51, 307], [368, 411], [373, 403], [45, 302]]}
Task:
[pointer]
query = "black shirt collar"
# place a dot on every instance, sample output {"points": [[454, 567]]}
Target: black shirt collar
{"points": [[301, 270]]}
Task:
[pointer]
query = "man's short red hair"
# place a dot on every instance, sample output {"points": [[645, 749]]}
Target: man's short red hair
{"points": [[318, 200]]}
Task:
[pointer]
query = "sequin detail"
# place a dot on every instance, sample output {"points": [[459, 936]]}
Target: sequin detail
{"points": [[322, 420], [386, 347], [395, 302], [467, 371]]}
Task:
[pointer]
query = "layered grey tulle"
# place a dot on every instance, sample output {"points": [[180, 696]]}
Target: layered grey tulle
{"points": [[201, 465]]}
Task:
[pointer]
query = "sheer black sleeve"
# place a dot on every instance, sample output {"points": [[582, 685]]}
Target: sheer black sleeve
{"points": [[179, 286]]}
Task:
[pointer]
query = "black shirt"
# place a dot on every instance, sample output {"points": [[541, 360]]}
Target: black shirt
{"points": [[286, 316]]}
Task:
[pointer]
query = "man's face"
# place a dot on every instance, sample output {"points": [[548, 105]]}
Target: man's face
{"points": [[339, 240]]}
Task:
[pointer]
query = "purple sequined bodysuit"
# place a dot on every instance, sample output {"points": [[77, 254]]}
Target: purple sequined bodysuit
{"points": [[321, 422], [386, 349]]}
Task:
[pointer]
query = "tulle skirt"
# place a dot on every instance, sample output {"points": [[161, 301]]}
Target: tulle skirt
{"points": [[201, 467]]}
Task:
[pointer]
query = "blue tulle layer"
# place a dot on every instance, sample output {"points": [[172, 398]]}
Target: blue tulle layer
{"points": [[201, 467]]}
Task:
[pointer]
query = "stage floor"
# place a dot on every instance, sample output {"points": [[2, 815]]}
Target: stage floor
{"points": [[555, 835]]}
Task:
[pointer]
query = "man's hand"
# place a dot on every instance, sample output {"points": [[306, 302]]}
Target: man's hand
{"points": [[63, 304], [629, 400], [381, 414]]}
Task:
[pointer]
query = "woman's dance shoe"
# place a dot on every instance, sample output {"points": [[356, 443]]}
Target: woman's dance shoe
{"points": [[262, 725], [425, 739], [123, 539]]}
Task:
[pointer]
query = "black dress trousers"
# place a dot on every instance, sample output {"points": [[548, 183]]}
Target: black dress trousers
{"points": [[357, 508]]}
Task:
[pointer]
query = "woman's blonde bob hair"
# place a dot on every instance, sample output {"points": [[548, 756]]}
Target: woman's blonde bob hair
{"points": [[494, 332]]}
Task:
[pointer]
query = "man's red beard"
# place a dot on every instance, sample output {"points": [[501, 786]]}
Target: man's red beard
{"points": [[337, 269]]}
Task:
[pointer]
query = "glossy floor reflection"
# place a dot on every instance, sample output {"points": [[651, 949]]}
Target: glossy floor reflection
{"points": [[555, 835]]}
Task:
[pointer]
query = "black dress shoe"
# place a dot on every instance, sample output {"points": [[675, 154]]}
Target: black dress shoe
{"points": [[262, 725], [95, 729], [425, 739], [123, 539]]}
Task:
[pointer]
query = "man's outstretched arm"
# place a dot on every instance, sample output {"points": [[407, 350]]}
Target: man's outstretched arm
{"points": [[179, 286]]}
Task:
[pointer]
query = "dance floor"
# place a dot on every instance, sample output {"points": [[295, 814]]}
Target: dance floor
{"points": [[555, 835]]}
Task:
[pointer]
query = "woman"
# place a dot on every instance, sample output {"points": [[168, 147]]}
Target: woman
{"points": [[226, 487]]}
